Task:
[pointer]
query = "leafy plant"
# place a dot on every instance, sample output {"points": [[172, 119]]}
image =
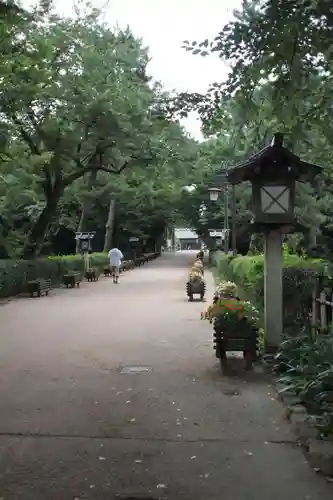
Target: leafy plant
{"points": [[226, 289], [305, 366]]}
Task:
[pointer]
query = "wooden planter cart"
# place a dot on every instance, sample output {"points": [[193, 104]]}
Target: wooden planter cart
{"points": [[234, 330], [195, 284], [241, 338], [197, 287], [92, 275]]}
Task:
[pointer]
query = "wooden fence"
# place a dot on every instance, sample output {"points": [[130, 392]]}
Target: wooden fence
{"points": [[322, 311]]}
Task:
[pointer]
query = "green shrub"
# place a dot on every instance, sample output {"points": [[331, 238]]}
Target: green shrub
{"points": [[306, 365], [14, 274], [299, 275]]}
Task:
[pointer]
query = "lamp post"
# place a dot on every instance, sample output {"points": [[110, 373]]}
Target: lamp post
{"points": [[214, 193], [85, 247], [273, 173]]}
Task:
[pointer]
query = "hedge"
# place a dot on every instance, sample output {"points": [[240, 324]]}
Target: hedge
{"points": [[299, 275], [14, 274]]}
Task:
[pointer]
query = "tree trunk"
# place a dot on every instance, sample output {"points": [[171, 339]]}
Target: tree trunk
{"points": [[37, 235], [85, 208], [109, 226]]}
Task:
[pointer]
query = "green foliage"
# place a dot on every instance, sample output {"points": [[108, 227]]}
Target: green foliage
{"points": [[280, 80], [298, 282], [14, 274], [304, 364], [81, 124]]}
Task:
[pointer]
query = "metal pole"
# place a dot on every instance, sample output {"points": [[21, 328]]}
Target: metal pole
{"points": [[226, 216], [233, 219]]}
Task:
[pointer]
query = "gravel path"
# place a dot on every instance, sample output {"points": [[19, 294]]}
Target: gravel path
{"points": [[76, 423]]}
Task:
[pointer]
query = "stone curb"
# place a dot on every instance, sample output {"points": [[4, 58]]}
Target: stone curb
{"points": [[319, 453]]}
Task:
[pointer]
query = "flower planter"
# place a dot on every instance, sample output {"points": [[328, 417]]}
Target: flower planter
{"points": [[107, 270], [92, 275], [240, 337], [195, 288]]}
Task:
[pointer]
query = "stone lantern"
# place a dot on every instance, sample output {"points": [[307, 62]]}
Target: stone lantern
{"points": [[273, 173]]}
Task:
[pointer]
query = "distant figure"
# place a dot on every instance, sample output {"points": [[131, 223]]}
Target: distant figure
{"points": [[115, 257]]}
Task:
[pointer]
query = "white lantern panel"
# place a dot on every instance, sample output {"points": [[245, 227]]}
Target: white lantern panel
{"points": [[275, 199], [213, 194]]}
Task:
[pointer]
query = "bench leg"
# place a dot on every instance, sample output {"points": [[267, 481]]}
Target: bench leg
{"points": [[248, 360], [223, 360]]}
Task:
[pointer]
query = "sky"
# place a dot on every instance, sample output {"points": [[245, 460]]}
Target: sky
{"points": [[163, 26]]}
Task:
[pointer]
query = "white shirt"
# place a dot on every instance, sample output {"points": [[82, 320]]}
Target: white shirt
{"points": [[115, 257]]}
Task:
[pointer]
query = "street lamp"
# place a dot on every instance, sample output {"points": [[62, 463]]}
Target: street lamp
{"points": [[273, 173], [214, 193]]}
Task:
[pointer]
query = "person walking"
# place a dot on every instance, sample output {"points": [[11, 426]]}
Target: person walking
{"points": [[115, 258]]}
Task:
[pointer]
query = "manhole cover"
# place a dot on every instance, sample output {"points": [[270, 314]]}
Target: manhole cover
{"points": [[231, 392], [138, 497], [129, 370]]}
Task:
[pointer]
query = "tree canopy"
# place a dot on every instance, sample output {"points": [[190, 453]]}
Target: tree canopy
{"points": [[82, 124], [89, 142], [280, 80]]}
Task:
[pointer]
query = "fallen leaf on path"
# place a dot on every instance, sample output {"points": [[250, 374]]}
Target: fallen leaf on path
{"points": [[132, 420], [193, 458], [127, 402], [249, 453], [160, 486], [102, 458], [138, 461]]}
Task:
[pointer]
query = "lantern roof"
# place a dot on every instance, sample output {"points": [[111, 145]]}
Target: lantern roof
{"points": [[273, 154]]}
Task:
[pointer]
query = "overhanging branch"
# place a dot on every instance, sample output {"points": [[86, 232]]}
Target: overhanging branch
{"points": [[25, 136], [70, 178]]}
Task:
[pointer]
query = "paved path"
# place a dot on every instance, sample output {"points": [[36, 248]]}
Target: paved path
{"points": [[73, 426]]}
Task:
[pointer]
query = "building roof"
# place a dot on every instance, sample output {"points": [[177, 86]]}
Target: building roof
{"points": [[182, 233], [273, 154]]}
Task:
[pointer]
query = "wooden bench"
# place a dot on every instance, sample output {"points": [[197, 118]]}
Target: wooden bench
{"points": [[139, 261], [72, 279], [39, 287], [92, 275]]}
